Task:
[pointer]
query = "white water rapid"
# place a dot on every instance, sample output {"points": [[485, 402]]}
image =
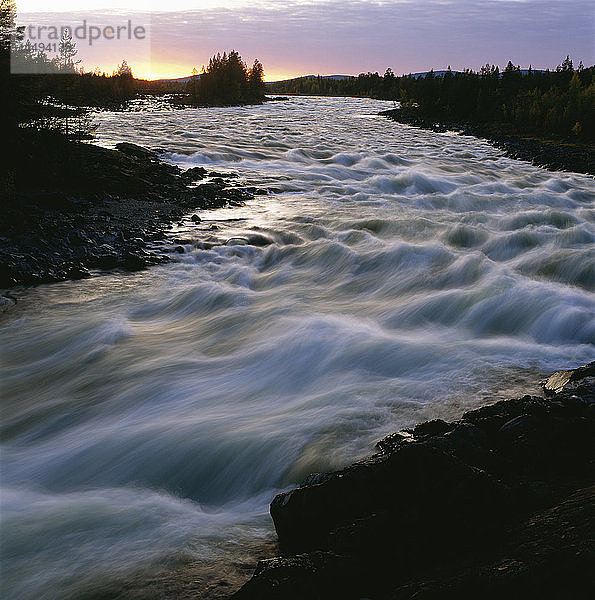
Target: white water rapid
{"points": [[398, 275]]}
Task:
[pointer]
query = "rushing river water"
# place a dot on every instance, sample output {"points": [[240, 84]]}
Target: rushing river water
{"points": [[149, 418]]}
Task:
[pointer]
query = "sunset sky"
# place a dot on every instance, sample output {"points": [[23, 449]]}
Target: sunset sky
{"points": [[299, 37]]}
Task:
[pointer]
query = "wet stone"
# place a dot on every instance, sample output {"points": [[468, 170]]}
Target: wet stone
{"points": [[120, 200]]}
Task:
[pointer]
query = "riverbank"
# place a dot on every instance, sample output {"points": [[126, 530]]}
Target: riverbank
{"points": [[75, 208], [149, 419], [557, 155], [498, 503]]}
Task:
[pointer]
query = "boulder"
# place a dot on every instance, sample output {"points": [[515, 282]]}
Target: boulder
{"points": [[194, 174], [136, 151], [560, 380], [448, 510]]}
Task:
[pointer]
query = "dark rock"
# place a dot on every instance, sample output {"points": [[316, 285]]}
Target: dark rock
{"points": [[486, 506], [390, 442], [136, 151], [549, 555], [106, 260], [561, 379], [195, 219], [89, 207], [257, 239], [77, 272], [194, 174], [237, 241], [316, 576], [179, 249], [218, 175], [304, 517], [132, 262], [77, 238], [519, 425], [432, 428], [257, 191]]}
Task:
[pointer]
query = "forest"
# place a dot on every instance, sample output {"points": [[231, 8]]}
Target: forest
{"points": [[53, 93], [552, 102], [226, 80], [47, 102]]}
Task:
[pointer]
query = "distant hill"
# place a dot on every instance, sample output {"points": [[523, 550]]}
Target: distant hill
{"points": [[443, 72], [526, 71], [178, 80], [438, 73], [335, 77], [342, 77]]}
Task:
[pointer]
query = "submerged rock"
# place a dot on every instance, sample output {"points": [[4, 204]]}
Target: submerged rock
{"points": [[6, 303], [473, 508]]}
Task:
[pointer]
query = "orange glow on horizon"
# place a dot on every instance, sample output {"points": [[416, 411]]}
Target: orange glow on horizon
{"points": [[159, 70], [170, 69], [280, 76], [167, 71]]}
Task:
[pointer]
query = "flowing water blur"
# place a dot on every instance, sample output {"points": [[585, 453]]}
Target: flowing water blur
{"points": [[394, 275]]}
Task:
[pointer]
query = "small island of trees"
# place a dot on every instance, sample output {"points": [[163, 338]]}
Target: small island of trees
{"points": [[227, 80]]}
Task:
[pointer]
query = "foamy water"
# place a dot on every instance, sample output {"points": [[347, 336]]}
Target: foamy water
{"points": [[394, 275]]}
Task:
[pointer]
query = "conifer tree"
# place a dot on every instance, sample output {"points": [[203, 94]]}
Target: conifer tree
{"points": [[256, 81], [67, 51]]}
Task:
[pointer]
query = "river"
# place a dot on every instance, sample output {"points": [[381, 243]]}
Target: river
{"points": [[391, 275]]}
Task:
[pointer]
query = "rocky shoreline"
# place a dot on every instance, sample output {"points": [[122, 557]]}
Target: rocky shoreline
{"points": [[101, 209], [497, 504], [557, 155], [77, 208]]}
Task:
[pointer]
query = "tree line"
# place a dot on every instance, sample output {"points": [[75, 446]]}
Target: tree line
{"points": [[45, 89], [44, 92], [552, 102], [227, 80], [44, 104]]}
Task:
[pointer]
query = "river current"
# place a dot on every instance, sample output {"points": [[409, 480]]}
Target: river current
{"points": [[391, 275]]}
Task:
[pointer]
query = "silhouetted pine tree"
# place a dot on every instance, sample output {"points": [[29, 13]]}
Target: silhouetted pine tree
{"points": [[226, 80]]}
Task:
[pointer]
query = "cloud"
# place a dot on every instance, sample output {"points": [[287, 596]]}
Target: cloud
{"points": [[357, 35], [351, 36]]}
